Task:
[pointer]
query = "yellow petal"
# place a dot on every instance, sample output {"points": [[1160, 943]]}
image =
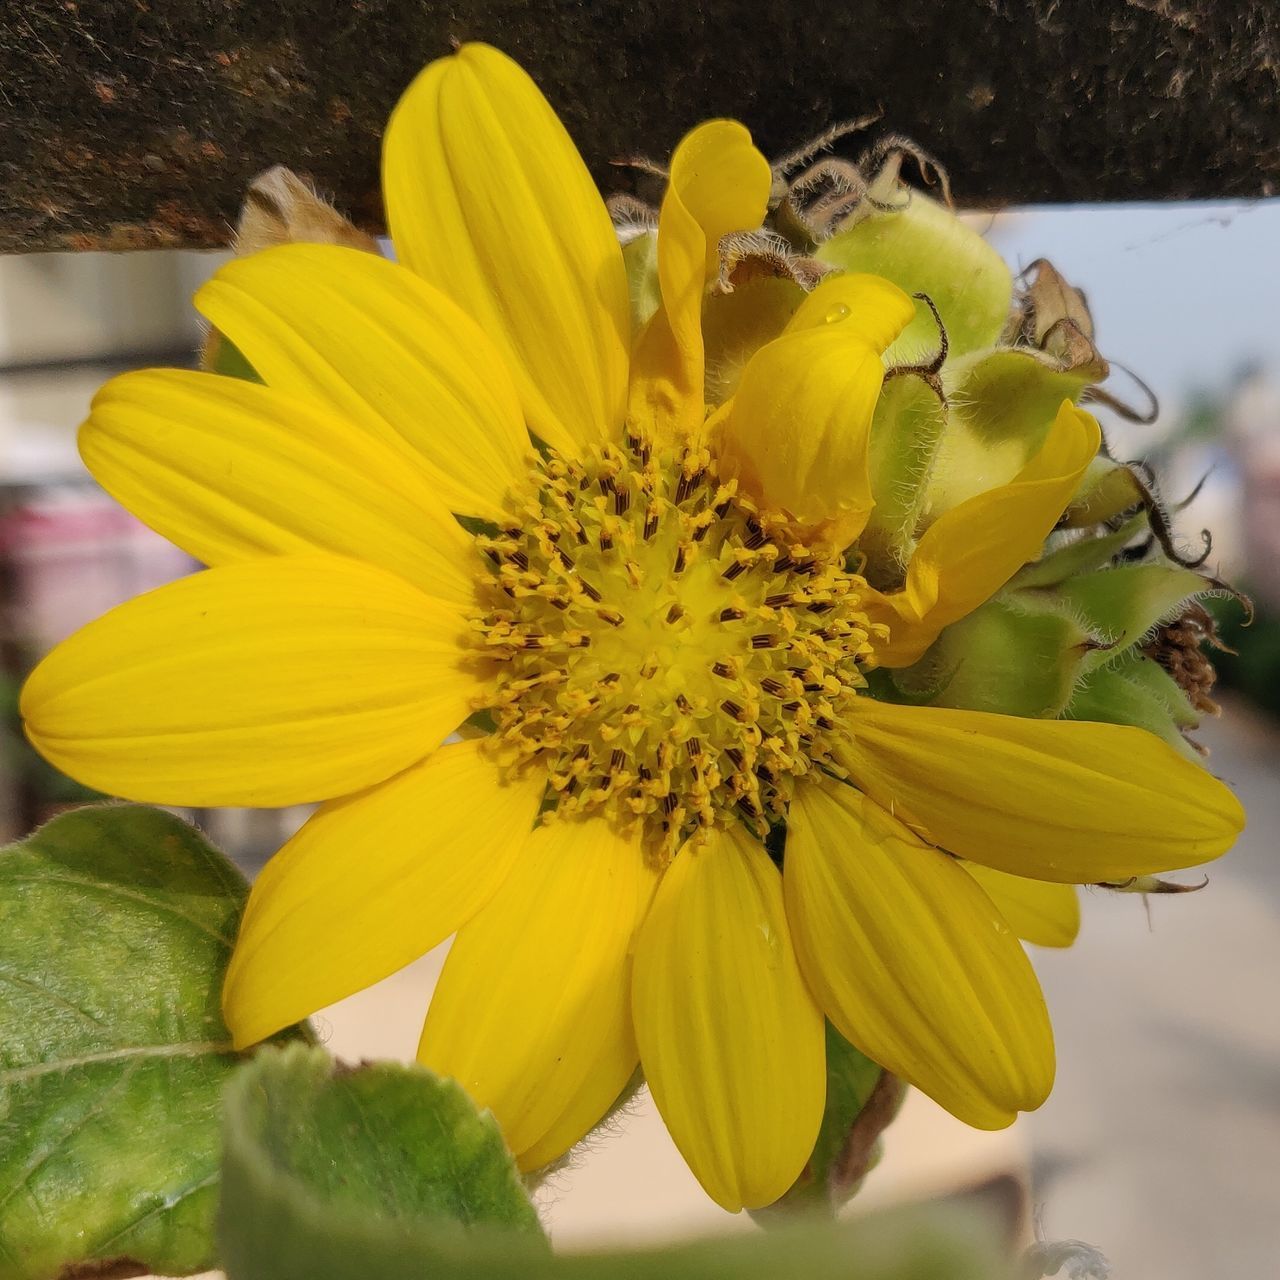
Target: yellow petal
{"points": [[488, 199], [531, 1015], [797, 432], [378, 347], [911, 961], [870, 306], [272, 682], [229, 470], [719, 184], [1064, 800], [731, 1040], [971, 551], [371, 882], [1037, 911]]}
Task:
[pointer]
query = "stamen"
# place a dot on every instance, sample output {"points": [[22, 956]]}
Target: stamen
{"points": [[606, 681]]}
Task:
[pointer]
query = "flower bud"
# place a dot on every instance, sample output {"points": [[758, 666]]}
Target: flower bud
{"points": [[923, 247]]}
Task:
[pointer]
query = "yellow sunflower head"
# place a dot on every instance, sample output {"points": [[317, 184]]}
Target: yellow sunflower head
{"points": [[465, 493]]}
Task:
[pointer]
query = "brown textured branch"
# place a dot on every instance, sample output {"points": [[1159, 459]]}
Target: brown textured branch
{"points": [[139, 123]]}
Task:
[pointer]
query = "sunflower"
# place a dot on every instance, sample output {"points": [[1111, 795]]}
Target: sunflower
{"points": [[677, 830]]}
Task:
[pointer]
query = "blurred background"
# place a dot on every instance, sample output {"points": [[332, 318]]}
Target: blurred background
{"points": [[1161, 1143]]}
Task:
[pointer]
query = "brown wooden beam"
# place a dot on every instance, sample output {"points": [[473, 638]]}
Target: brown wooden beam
{"points": [[139, 123]]}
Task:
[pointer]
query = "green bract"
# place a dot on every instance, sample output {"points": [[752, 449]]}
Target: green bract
{"points": [[862, 1099], [1085, 633], [1106, 625]]}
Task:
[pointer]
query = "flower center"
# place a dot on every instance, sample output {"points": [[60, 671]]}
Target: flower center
{"points": [[663, 648]]}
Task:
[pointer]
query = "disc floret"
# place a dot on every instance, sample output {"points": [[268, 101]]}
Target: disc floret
{"points": [[665, 650]]}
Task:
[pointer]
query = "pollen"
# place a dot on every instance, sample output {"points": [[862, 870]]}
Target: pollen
{"points": [[665, 651]]}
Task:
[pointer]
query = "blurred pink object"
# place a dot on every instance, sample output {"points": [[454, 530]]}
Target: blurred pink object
{"points": [[1262, 522], [69, 554], [1253, 431]]}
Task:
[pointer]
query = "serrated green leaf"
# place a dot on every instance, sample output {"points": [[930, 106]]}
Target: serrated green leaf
{"points": [[388, 1173], [116, 923]]}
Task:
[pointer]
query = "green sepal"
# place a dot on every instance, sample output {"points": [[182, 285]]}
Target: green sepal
{"points": [[1107, 489], [220, 355], [1120, 605], [1002, 404], [738, 322], [862, 1098], [925, 248], [1138, 691], [906, 432], [387, 1172], [116, 925], [640, 261], [1017, 655], [1068, 556]]}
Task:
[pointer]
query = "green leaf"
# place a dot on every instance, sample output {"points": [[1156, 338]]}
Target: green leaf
{"points": [[389, 1173], [116, 923], [389, 1154]]}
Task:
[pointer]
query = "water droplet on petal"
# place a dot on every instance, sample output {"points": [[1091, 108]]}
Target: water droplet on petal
{"points": [[837, 313]]}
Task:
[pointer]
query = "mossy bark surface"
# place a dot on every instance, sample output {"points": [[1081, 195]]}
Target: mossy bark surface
{"points": [[139, 123]]}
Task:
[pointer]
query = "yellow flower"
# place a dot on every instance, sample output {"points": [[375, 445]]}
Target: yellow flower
{"points": [[656, 620]]}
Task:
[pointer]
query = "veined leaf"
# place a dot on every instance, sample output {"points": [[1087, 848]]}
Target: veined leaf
{"points": [[116, 923], [367, 1171], [388, 1172]]}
